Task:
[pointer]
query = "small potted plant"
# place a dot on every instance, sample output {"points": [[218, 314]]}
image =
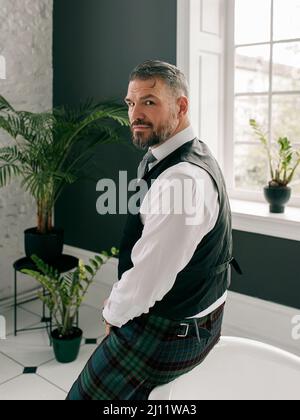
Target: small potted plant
{"points": [[48, 151], [283, 164], [64, 295]]}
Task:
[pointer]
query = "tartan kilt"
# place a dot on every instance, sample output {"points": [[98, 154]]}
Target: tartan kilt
{"points": [[143, 354]]}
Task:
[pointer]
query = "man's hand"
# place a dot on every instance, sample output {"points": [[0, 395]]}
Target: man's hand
{"points": [[107, 329], [107, 325]]}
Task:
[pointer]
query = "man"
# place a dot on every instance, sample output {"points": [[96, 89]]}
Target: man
{"points": [[164, 315]]}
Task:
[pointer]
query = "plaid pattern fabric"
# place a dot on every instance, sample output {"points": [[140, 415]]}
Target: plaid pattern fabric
{"points": [[143, 354]]}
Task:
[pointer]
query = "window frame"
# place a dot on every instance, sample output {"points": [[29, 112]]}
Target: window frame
{"points": [[229, 141]]}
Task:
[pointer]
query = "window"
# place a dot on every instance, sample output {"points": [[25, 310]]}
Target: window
{"points": [[263, 83]]}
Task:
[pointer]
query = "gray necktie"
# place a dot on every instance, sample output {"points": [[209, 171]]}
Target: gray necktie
{"points": [[143, 166]]}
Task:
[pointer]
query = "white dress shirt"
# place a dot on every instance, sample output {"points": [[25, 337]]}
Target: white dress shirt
{"points": [[167, 243]]}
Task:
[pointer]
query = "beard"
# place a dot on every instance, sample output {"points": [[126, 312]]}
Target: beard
{"points": [[155, 137]]}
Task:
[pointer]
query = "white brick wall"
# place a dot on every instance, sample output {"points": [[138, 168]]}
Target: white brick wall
{"points": [[26, 45]]}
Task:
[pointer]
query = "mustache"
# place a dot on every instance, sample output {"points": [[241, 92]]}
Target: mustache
{"points": [[141, 122]]}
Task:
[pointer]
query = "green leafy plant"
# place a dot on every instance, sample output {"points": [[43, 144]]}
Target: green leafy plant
{"points": [[283, 161], [65, 293], [51, 148]]}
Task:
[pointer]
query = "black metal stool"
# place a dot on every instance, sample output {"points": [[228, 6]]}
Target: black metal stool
{"points": [[62, 264]]}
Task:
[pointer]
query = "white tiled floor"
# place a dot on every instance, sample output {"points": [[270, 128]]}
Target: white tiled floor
{"points": [[52, 380], [30, 387], [28, 349], [64, 375], [9, 369], [25, 319]]}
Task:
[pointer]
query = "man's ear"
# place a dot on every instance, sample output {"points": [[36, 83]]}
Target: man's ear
{"points": [[183, 105]]}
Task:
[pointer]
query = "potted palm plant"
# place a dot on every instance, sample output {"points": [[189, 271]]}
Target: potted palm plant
{"points": [[283, 163], [64, 295], [49, 150]]}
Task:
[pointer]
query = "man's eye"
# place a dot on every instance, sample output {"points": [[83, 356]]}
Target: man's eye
{"points": [[149, 103]]}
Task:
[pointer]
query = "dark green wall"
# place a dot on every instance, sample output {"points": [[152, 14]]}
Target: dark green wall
{"points": [[96, 44], [271, 268]]}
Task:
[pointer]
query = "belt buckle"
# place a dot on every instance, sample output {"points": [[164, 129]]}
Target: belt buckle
{"points": [[186, 331]]}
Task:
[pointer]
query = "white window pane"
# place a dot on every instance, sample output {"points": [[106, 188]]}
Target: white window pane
{"points": [[295, 185], [250, 167], [252, 69], [285, 117], [286, 19], [246, 108], [286, 66], [252, 21]]}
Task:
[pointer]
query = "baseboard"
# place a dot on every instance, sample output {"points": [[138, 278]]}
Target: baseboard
{"points": [[261, 320]]}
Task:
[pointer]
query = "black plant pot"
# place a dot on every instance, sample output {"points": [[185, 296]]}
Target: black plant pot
{"points": [[278, 197], [47, 246], [66, 349]]}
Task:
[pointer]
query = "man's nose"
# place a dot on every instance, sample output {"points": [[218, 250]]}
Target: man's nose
{"points": [[137, 113]]}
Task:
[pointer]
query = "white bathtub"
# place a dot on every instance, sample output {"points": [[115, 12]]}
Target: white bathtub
{"points": [[238, 369]]}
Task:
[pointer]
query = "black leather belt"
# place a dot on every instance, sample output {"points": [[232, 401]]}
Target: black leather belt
{"points": [[197, 324]]}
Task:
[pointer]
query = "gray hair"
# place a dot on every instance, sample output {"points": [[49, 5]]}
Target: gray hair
{"points": [[169, 73]]}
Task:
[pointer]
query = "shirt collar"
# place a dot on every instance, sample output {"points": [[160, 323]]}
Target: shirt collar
{"points": [[173, 143]]}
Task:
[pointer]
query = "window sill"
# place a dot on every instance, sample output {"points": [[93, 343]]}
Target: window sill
{"points": [[254, 217]]}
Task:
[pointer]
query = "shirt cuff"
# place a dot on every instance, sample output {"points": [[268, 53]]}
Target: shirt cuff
{"points": [[122, 318], [108, 318]]}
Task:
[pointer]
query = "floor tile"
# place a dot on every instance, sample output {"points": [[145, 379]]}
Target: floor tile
{"points": [[30, 348], [29, 370], [96, 295], [35, 306], [65, 374], [8, 368], [90, 341], [25, 319], [90, 321], [30, 387]]}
